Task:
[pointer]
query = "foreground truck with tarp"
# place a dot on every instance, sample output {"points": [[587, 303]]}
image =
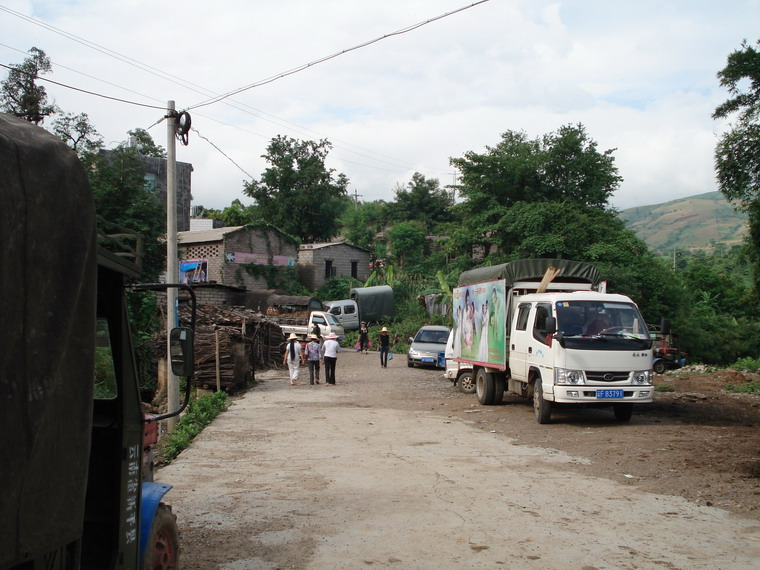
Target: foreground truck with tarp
{"points": [[545, 329], [76, 485]]}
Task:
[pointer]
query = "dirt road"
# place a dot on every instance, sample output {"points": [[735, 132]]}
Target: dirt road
{"points": [[392, 467]]}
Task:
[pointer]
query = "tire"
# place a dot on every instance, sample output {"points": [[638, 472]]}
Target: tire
{"points": [[485, 387], [623, 412], [162, 550], [541, 407], [466, 382], [409, 363], [499, 385], [659, 367]]}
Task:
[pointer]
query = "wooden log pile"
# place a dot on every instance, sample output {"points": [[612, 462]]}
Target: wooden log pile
{"points": [[231, 344]]}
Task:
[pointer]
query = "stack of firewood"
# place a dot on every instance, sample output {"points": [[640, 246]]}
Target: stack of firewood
{"points": [[231, 344]]}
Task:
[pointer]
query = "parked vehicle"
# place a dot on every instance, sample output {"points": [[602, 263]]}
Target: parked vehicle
{"points": [[559, 342], [666, 356], [368, 304], [302, 326], [346, 312], [460, 373], [77, 490], [428, 347]]}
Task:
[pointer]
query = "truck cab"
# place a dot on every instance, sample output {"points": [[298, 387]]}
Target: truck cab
{"points": [[346, 312]]}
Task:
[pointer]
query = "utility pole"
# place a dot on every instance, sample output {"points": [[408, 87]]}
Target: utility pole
{"points": [[356, 197], [172, 265]]}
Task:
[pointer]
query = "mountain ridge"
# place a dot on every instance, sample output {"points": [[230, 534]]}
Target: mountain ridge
{"points": [[693, 222]]}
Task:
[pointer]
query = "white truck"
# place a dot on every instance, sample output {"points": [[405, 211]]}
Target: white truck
{"points": [[545, 329], [303, 326]]}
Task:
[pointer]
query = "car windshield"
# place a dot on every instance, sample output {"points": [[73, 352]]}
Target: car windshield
{"points": [[432, 337], [608, 321]]}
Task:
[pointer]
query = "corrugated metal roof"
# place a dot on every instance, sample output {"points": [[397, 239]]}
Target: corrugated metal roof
{"points": [[206, 235]]}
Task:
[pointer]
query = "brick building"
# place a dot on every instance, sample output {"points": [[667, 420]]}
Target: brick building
{"points": [[318, 262], [221, 255]]}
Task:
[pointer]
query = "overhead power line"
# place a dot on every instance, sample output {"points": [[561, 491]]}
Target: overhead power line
{"points": [[332, 56]]}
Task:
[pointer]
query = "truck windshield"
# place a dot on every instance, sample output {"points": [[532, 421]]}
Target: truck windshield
{"points": [[605, 324]]}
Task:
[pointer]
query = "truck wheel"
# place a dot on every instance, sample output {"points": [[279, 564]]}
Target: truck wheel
{"points": [[659, 367], [466, 382], [541, 407], [162, 551], [498, 388], [485, 387], [623, 412]]}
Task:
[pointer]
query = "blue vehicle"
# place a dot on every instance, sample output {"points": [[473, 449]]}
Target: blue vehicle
{"points": [[665, 356]]}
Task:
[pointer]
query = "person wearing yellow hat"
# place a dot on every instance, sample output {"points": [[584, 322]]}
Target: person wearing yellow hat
{"points": [[385, 346], [293, 357]]}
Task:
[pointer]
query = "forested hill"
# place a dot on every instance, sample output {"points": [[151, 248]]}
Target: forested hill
{"points": [[695, 222]]}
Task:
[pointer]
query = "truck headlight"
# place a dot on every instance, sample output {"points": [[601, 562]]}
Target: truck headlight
{"points": [[565, 376], [642, 377]]}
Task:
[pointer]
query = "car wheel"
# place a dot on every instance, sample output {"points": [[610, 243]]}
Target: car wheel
{"points": [[409, 363], [466, 382]]}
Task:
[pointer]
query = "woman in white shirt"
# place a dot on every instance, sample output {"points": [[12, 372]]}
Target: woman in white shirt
{"points": [[293, 357], [331, 349]]}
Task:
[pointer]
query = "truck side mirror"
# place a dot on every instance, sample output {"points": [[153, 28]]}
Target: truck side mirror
{"points": [[551, 325], [665, 326], [181, 346]]}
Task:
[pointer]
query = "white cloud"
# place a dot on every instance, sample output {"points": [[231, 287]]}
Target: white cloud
{"points": [[640, 76]]}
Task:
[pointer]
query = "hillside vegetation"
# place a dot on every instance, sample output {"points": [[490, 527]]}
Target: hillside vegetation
{"points": [[695, 222]]}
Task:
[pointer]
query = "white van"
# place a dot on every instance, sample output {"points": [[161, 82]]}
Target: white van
{"points": [[346, 312]]}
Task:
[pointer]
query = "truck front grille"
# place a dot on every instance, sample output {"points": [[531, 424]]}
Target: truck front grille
{"points": [[607, 376]]}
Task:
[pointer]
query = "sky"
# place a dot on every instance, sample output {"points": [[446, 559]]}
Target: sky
{"points": [[640, 76]]}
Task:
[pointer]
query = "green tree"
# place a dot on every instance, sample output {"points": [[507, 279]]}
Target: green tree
{"points": [[737, 155], [297, 193], [118, 186], [77, 132], [407, 242], [141, 140], [361, 222], [20, 95], [422, 200]]}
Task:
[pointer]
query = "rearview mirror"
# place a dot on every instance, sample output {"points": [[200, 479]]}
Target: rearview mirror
{"points": [[181, 346]]}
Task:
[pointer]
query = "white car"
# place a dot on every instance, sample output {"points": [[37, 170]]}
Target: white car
{"points": [[460, 373]]}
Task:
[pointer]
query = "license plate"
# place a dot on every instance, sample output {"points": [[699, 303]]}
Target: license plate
{"points": [[427, 359], [602, 394]]}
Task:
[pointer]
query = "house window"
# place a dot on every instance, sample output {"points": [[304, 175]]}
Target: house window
{"points": [[355, 269], [329, 271]]}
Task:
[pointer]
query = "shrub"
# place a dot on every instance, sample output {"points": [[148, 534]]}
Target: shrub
{"points": [[747, 363], [200, 413], [664, 387]]}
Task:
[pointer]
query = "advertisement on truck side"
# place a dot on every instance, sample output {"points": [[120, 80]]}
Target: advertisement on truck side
{"points": [[480, 320]]}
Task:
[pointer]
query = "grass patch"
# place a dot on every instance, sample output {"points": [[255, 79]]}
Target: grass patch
{"points": [[200, 413], [746, 388], [664, 387]]}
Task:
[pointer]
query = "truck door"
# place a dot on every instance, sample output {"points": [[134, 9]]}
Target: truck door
{"points": [[538, 347], [518, 343]]}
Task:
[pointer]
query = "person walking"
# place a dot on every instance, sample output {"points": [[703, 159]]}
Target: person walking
{"points": [[330, 349], [363, 337], [293, 357], [385, 347], [313, 354]]}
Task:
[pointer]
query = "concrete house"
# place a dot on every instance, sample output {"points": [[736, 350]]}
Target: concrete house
{"points": [[318, 262], [229, 255]]}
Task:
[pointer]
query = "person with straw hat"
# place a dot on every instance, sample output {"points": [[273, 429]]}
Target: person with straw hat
{"points": [[331, 349], [313, 354], [385, 346], [293, 357]]}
